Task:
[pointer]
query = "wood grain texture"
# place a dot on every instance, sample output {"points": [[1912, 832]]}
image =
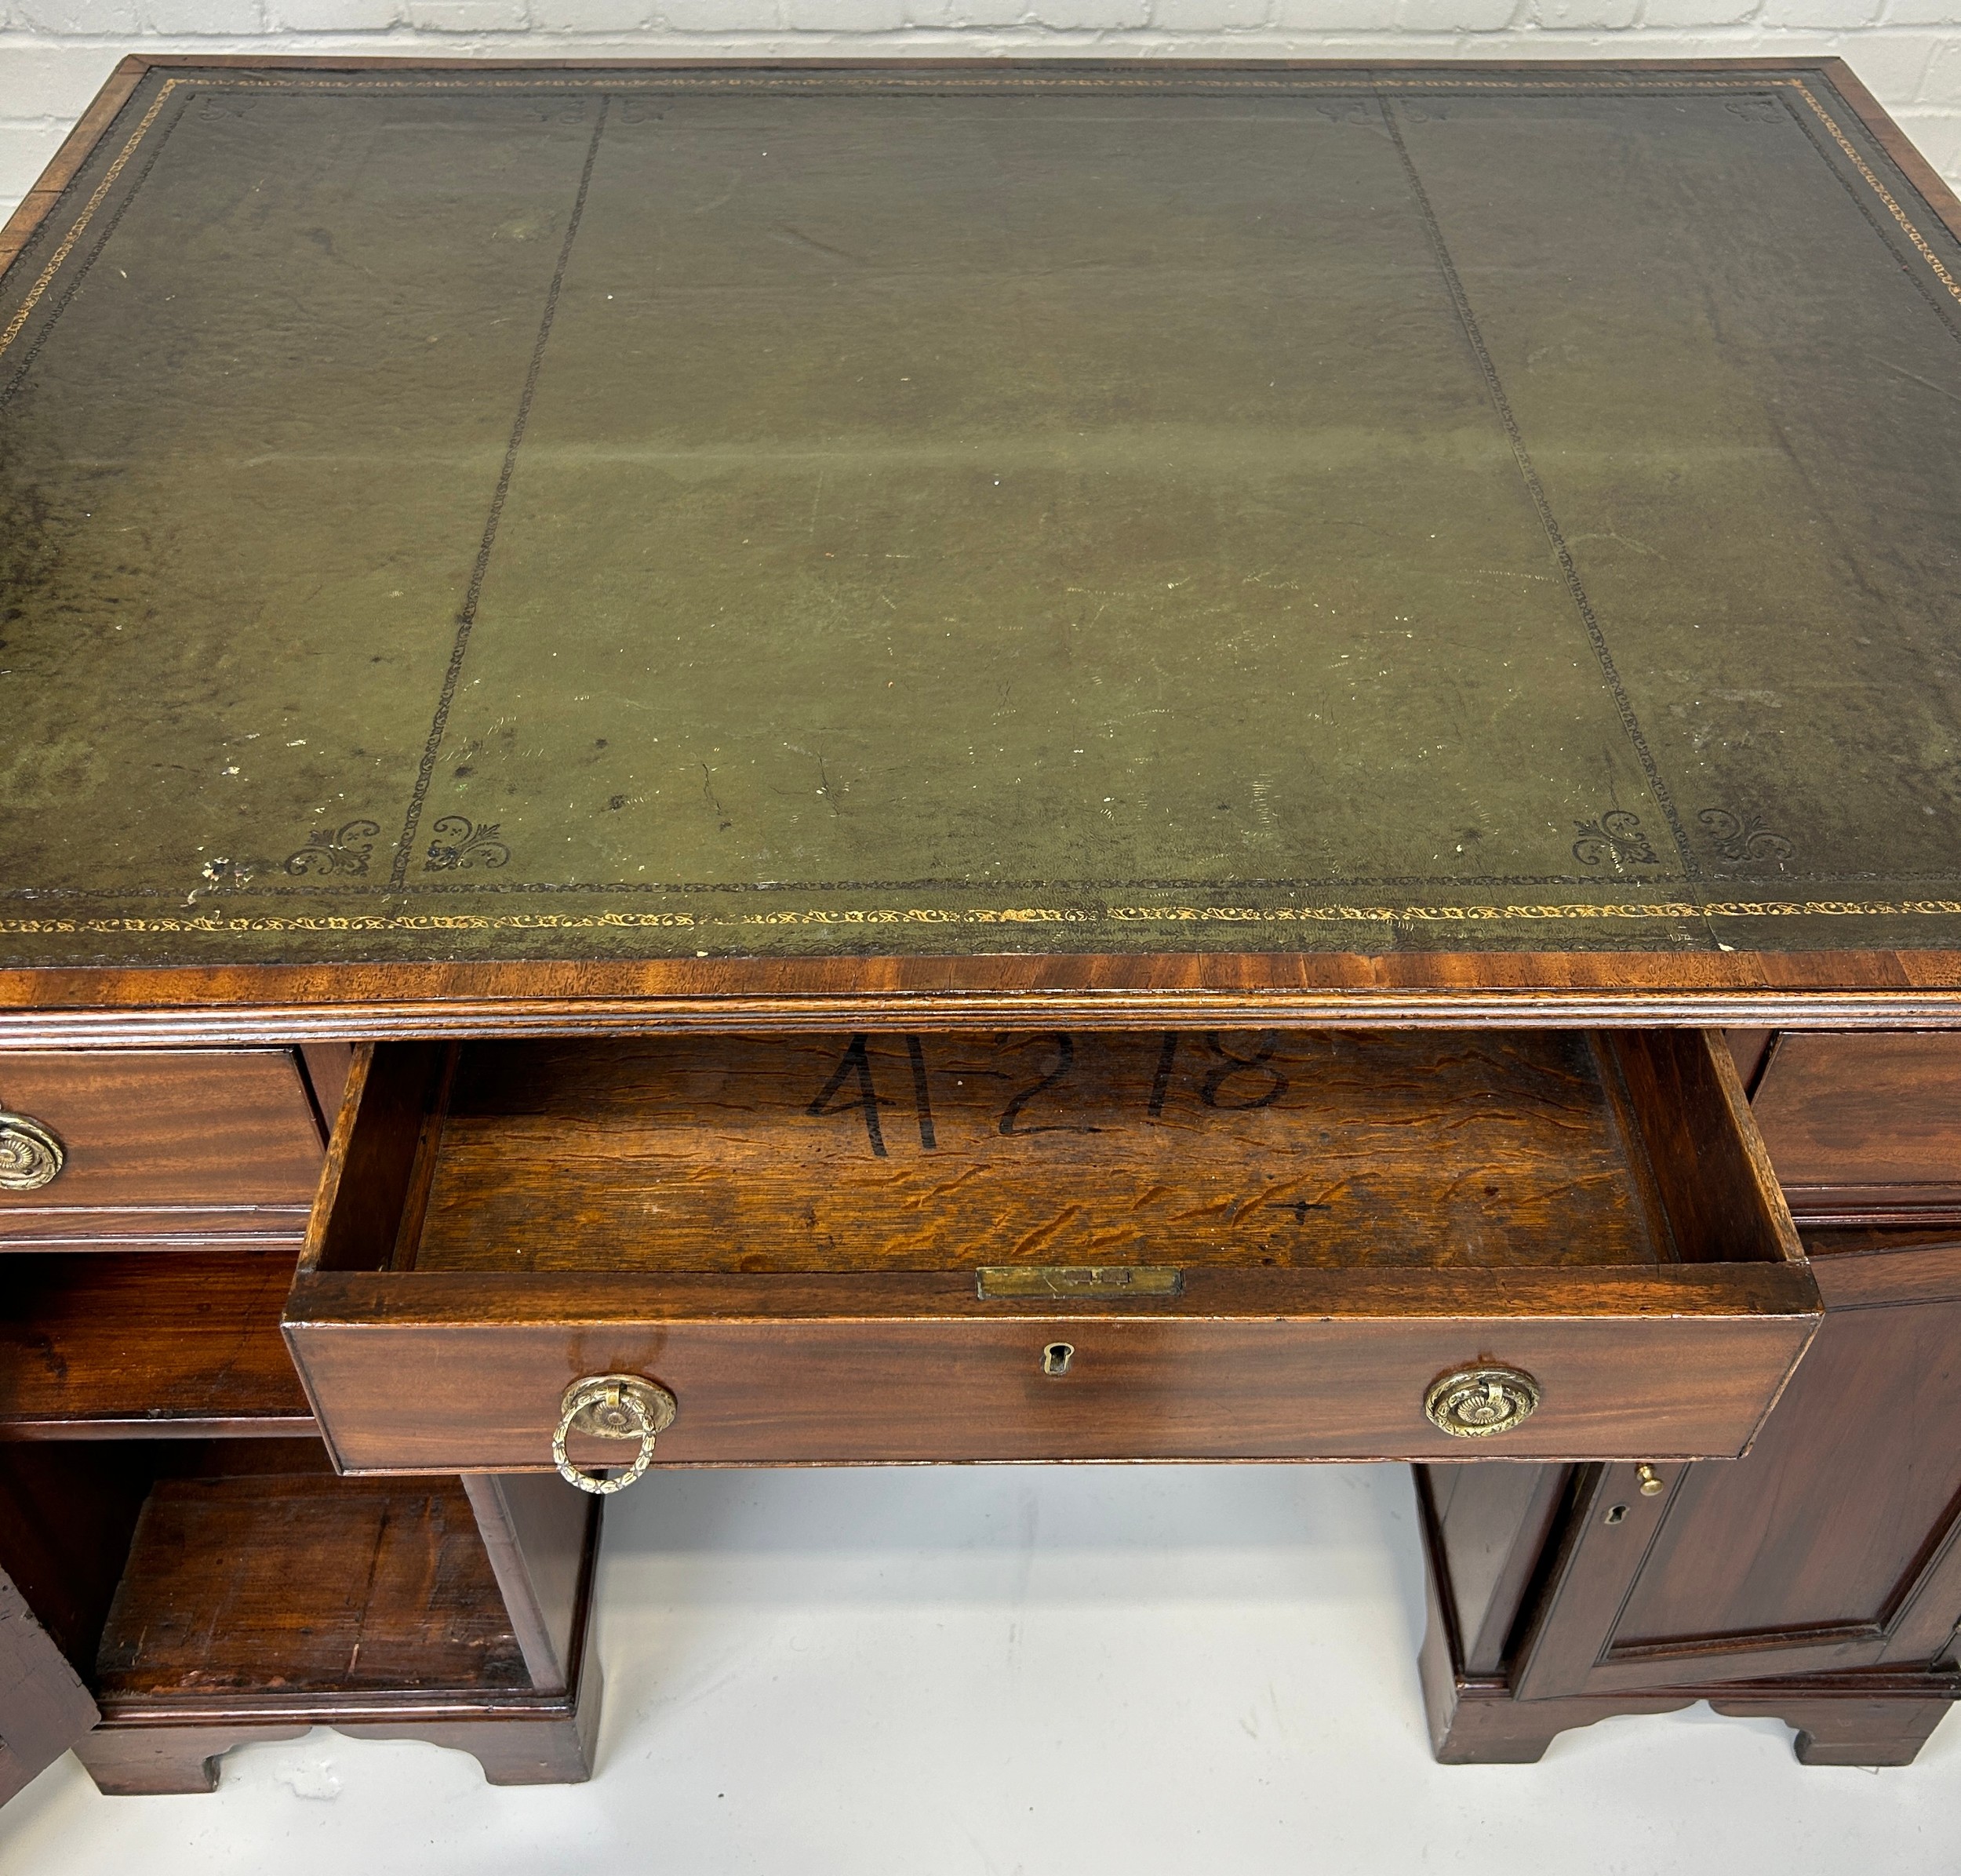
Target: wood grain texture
{"points": [[1835, 1545], [542, 1538], [1486, 1528], [1286, 1150], [38, 203], [1714, 1180], [1879, 1717], [262, 1596], [1870, 1265], [1852, 1725], [1933, 187], [80, 1008], [449, 1299], [98, 1345], [379, 1156], [524, 1739], [170, 1761], [835, 1353], [65, 1531], [326, 1065], [1864, 1126], [1749, 1049], [304, 1586], [167, 1149], [464, 1398], [1872, 1719], [1325, 1359]]}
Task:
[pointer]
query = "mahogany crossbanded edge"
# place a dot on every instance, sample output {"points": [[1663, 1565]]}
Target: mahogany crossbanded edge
{"points": [[39, 201], [1894, 141], [76, 1007]]}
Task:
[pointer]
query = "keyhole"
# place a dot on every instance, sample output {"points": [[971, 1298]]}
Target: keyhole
{"points": [[1056, 1357], [1616, 1513]]}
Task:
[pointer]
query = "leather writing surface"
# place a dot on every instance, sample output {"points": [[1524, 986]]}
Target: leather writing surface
{"points": [[636, 514]]}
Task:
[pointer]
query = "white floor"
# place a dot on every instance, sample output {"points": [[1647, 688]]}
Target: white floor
{"points": [[1141, 1670]]}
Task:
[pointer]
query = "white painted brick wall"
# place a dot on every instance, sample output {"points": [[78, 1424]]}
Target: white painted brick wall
{"points": [[54, 53]]}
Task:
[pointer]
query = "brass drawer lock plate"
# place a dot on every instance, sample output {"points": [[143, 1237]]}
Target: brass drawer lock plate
{"points": [[1061, 1281], [611, 1407], [1474, 1403], [30, 1156]]}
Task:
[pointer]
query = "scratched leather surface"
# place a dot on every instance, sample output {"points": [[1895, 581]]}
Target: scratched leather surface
{"points": [[621, 516]]}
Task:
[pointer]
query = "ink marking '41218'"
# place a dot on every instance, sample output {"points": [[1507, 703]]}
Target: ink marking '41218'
{"points": [[1055, 1087]]}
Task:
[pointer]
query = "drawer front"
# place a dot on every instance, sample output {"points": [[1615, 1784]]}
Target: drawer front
{"points": [[160, 1147], [462, 1397], [1865, 1128]]}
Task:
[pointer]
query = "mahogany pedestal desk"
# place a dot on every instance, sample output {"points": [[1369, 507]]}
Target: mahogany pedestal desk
{"points": [[726, 765]]}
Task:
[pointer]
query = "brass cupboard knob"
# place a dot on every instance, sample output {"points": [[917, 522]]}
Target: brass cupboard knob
{"points": [[1474, 1403], [30, 1156], [613, 1407]]}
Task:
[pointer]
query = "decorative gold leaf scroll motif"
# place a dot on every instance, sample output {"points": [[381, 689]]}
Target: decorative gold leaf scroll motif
{"points": [[1615, 836], [460, 841], [343, 849], [1743, 838]]}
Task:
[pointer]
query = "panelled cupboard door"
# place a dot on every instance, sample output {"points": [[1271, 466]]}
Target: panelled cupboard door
{"points": [[44, 1707], [1832, 1546]]}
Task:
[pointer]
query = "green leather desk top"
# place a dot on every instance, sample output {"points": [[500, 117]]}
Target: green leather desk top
{"points": [[631, 514]]}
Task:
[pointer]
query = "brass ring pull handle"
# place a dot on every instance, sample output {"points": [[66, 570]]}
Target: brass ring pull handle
{"points": [[1474, 1403], [30, 1156], [614, 1407]]}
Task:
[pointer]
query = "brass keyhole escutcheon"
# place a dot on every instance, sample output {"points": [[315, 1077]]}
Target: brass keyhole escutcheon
{"points": [[31, 1156], [613, 1407], [1056, 1357], [1475, 1403]]}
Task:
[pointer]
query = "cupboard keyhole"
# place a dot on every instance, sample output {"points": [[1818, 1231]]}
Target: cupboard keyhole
{"points": [[1616, 1513], [1056, 1357]]}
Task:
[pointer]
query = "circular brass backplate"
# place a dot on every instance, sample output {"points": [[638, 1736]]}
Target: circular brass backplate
{"points": [[30, 1154], [613, 1407], [1474, 1403], [596, 1406]]}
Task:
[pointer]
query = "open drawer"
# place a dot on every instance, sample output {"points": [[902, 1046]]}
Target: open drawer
{"points": [[1274, 1245]]}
